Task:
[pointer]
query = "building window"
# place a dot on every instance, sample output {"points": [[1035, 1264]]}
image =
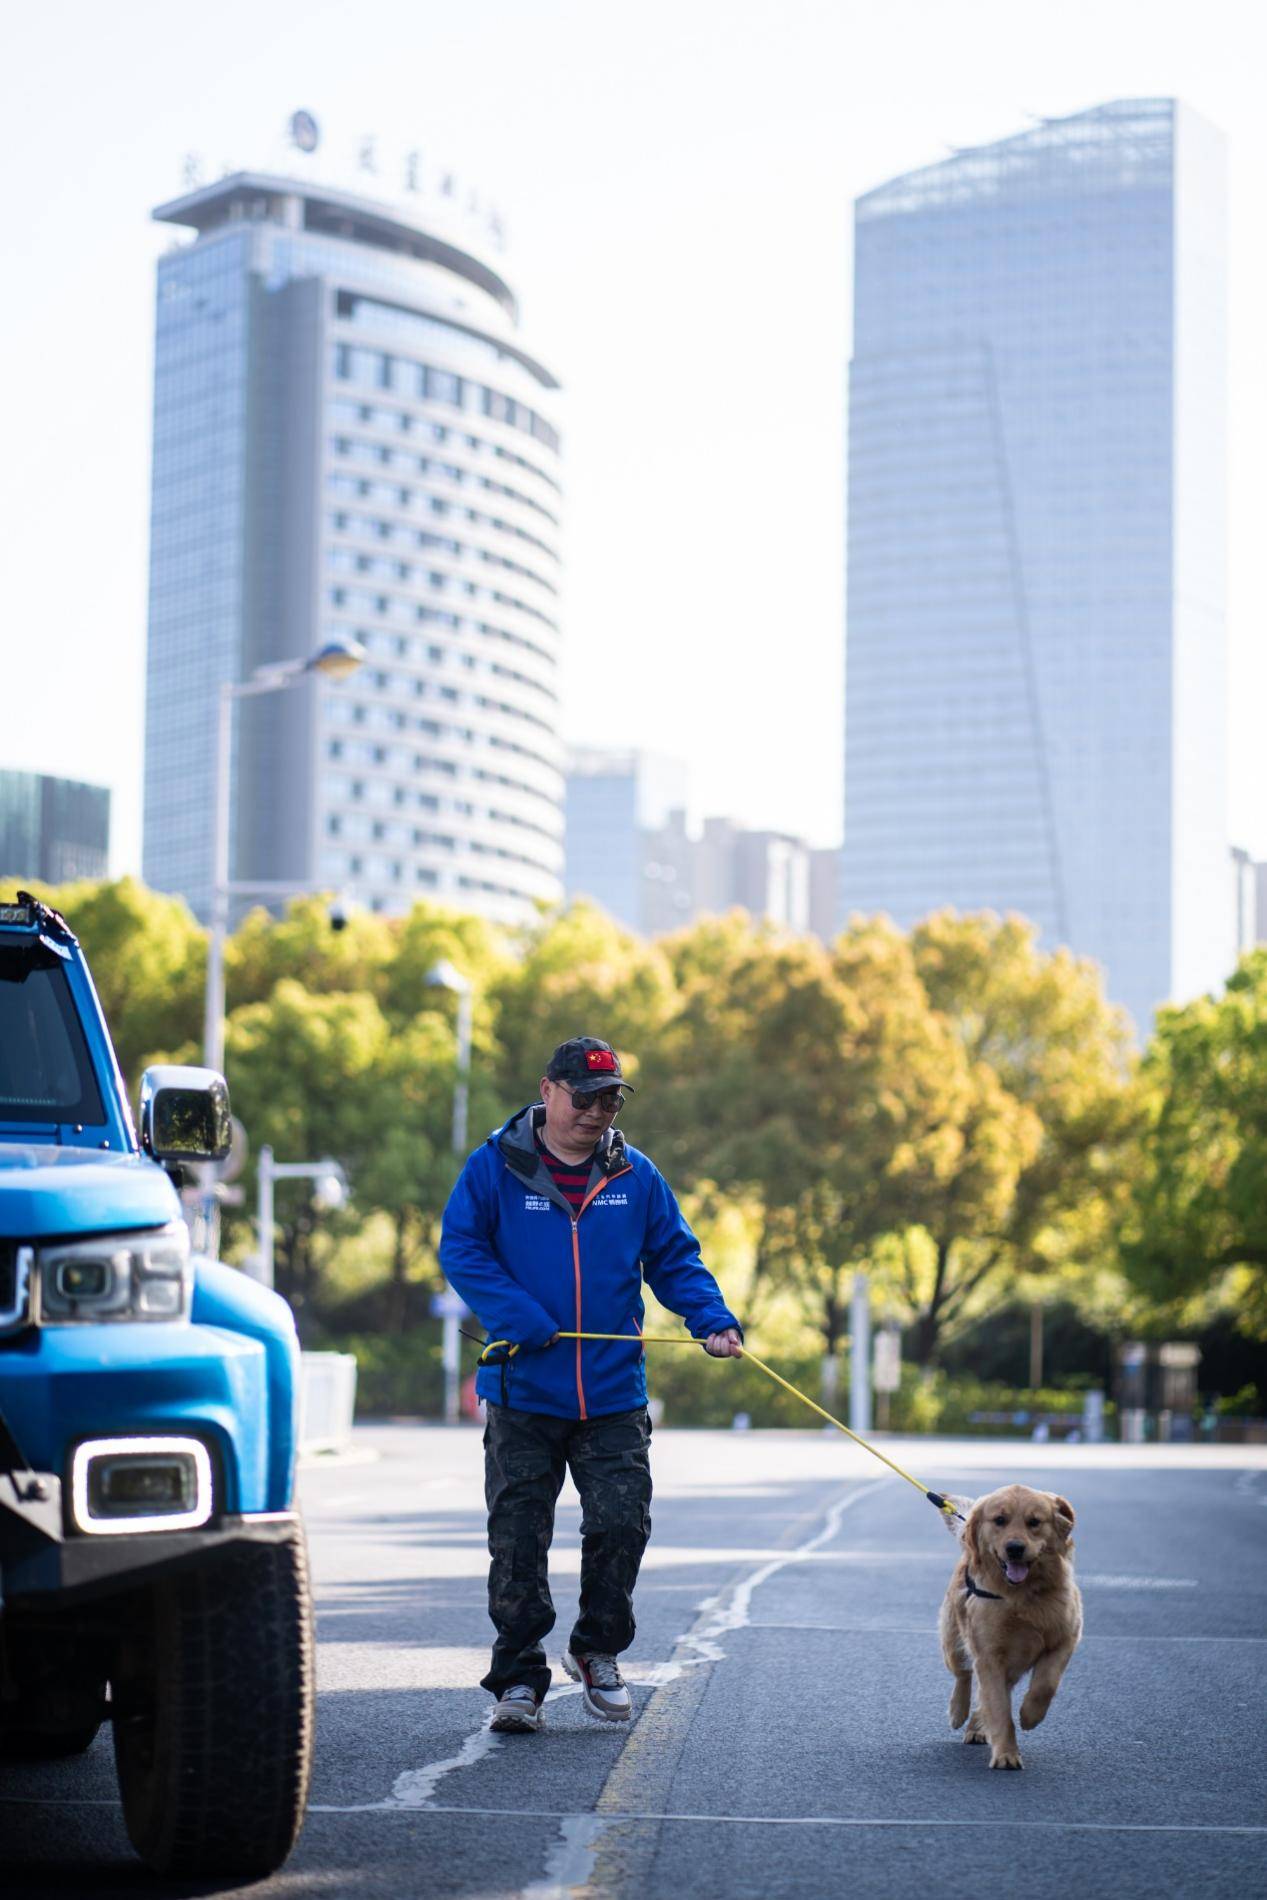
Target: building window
{"points": [[442, 386]]}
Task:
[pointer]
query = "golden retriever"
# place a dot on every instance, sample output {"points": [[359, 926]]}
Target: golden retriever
{"points": [[1012, 1607]]}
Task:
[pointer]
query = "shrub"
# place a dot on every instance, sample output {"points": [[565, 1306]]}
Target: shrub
{"points": [[400, 1374], [1247, 1403], [699, 1390], [980, 1407], [397, 1374]]}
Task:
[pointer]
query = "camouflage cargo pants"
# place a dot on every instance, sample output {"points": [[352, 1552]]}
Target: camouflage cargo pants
{"points": [[525, 1457]]}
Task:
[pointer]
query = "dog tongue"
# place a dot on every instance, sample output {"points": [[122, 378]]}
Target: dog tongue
{"points": [[1016, 1573]]}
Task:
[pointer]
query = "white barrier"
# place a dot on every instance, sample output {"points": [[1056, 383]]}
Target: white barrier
{"points": [[327, 1400]]}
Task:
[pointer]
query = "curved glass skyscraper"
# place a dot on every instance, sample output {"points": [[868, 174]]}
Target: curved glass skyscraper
{"points": [[1035, 652], [350, 437]]}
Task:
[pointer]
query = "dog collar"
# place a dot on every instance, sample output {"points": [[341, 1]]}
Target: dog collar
{"points": [[974, 1589]]}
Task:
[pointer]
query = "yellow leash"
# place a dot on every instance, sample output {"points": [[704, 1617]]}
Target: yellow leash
{"points": [[943, 1504]]}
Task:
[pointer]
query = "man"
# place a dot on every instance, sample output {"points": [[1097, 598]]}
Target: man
{"points": [[552, 1227]]}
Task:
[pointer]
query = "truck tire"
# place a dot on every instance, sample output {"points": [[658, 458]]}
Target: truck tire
{"points": [[34, 1744], [213, 1714], [56, 1693]]}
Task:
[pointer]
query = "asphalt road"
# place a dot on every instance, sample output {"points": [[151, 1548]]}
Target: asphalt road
{"points": [[790, 1734]]}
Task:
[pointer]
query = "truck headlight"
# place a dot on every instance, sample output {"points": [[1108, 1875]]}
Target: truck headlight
{"points": [[140, 1484], [116, 1276]]}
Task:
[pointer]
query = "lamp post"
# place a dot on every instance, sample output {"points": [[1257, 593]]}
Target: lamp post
{"points": [[860, 1357], [332, 1192], [446, 976], [336, 660]]}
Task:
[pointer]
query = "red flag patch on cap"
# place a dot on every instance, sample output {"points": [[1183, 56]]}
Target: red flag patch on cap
{"points": [[600, 1059]]}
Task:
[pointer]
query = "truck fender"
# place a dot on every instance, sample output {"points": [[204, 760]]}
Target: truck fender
{"points": [[226, 1297]]}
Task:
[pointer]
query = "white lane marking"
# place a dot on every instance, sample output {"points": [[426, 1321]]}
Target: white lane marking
{"points": [[838, 1820], [720, 1616], [732, 1609], [580, 1822], [569, 1861], [415, 1788], [1114, 1580], [914, 1629], [735, 1613], [1246, 1484]]}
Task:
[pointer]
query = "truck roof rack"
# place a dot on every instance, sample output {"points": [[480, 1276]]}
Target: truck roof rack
{"points": [[31, 912]]}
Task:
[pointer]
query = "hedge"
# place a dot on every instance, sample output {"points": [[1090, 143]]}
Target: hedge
{"points": [[400, 1375]]}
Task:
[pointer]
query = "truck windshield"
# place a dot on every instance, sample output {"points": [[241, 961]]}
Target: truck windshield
{"points": [[46, 1073]]}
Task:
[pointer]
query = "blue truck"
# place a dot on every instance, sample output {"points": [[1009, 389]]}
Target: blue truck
{"points": [[153, 1568]]}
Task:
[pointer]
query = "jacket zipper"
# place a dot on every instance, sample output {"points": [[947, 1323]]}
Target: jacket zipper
{"points": [[576, 1274]]}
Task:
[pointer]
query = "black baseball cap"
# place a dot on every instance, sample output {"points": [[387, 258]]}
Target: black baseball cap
{"points": [[586, 1064]]}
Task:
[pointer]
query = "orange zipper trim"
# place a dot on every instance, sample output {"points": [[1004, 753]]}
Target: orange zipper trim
{"points": [[576, 1273]]}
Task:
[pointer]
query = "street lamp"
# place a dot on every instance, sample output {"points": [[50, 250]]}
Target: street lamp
{"points": [[331, 1192], [336, 660], [860, 1356], [446, 976]]}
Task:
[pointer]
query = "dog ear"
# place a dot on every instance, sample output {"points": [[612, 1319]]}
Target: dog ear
{"points": [[1065, 1518], [972, 1549]]}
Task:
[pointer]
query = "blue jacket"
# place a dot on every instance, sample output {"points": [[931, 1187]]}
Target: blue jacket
{"points": [[528, 1269]]}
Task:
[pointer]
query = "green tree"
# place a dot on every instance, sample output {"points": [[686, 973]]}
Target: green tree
{"points": [[317, 1075], [303, 946], [1197, 1225], [1052, 1060], [825, 1085], [578, 974], [148, 959], [430, 935]]}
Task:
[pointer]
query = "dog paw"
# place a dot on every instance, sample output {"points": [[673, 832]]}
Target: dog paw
{"points": [[1006, 1758], [975, 1735], [958, 1708], [1033, 1709]]}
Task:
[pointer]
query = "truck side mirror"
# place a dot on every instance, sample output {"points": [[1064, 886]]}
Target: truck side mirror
{"points": [[185, 1114]]}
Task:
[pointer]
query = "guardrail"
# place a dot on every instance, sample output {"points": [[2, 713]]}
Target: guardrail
{"points": [[327, 1400]]}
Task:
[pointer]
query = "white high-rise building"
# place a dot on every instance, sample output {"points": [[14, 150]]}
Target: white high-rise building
{"points": [[1036, 641], [352, 438]]}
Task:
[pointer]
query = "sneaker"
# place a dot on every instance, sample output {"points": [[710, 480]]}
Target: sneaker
{"points": [[605, 1693], [517, 1710]]}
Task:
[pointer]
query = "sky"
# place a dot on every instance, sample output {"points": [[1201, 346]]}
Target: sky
{"points": [[677, 181]]}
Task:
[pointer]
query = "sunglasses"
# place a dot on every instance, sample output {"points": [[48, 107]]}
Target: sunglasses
{"points": [[610, 1101]]}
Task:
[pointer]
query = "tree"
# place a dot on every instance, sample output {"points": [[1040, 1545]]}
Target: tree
{"points": [[148, 959], [428, 936], [318, 1075], [946, 1108], [303, 946], [1197, 1222], [826, 1085], [579, 974], [1055, 1058]]}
